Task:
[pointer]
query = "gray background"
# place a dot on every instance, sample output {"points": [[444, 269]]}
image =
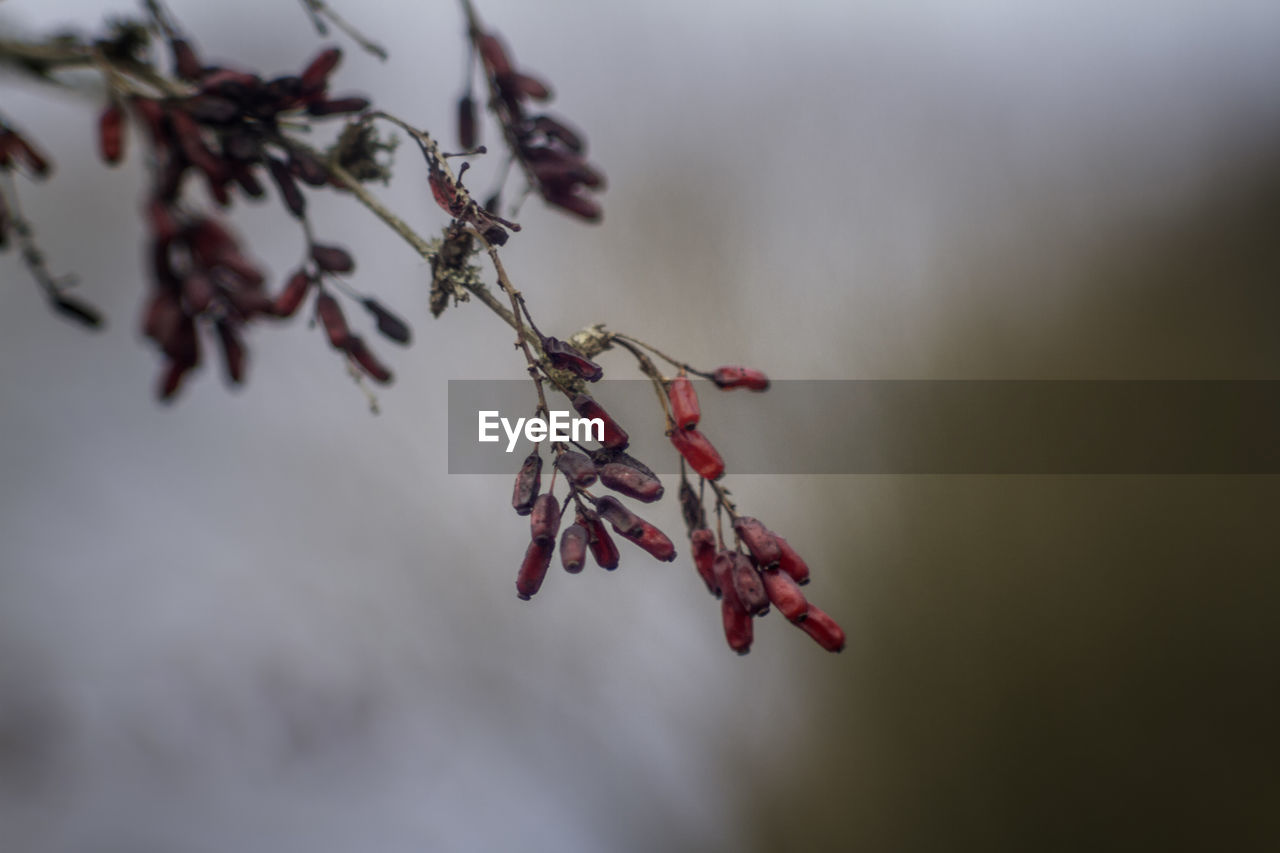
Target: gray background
{"points": [[266, 621]]}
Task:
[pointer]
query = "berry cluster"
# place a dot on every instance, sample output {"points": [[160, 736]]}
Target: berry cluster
{"points": [[760, 568], [550, 153]]}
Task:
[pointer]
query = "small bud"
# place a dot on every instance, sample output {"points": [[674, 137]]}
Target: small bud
{"points": [[740, 377], [791, 562], [573, 548], [468, 130], [748, 586], [544, 521], [785, 593], [537, 559], [335, 325], [823, 629], [699, 453], [703, 543], [565, 357], [758, 539], [294, 292], [603, 548], [332, 258], [684, 403], [316, 75], [577, 468], [614, 436], [389, 324], [111, 134], [528, 484]]}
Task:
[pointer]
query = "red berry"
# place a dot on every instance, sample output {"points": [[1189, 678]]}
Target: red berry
{"points": [[615, 437], [738, 631], [294, 292], [332, 258], [565, 357], [748, 586], [623, 520], [791, 562], [785, 594], [703, 543], [823, 629], [361, 354], [740, 377], [316, 75], [335, 325], [684, 403], [602, 546], [699, 453], [494, 55], [759, 541], [537, 559], [652, 540], [544, 520], [573, 548], [232, 350], [111, 133], [630, 481]]}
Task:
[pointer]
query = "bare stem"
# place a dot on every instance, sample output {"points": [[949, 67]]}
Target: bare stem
{"points": [[319, 10]]}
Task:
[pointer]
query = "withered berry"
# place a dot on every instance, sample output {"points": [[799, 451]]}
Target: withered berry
{"points": [[573, 548], [758, 539], [528, 484], [537, 559], [577, 468], [748, 586], [740, 377], [544, 520], [615, 437]]}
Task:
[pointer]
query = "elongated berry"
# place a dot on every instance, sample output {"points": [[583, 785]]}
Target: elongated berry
{"points": [[699, 453], [332, 258], [527, 86], [623, 520], [577, 468], [740, 377], [494, 55], [389, 325], [652, 540], [310, 170], [533, 571], [528, 484], [288, 187], [317, 72], [544, 521], [573, 548], [615, 437], [565, 357], [785, 594], [791, 562], [684, 403], [758, 539], [722, 571], [34, 159], [185, 62], [632, 482], [703, 544], [823, 629], [294, 292], [111, 133], [691, 507], [337, 106], [364, 357], [331, 318], [468, 129], [748, 586], [603, 549], [557, 129], [738, 630]]}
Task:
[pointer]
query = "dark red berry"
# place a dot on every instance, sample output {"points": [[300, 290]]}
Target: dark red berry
{"points": [[111, 133], [289, 192], [573, 548], [468, 129], [294, 292], [738, 630], [494, 55], [623, 520], [758, 539], [630, 481], [332, 258], [537, 559], [337, 106], [699, 453], [335, 324], [740, 377], [703, 543], [361, 354], [615, 437], [652, 540], [232, 350], [390, 325], [748, 586], [185, 62], [528, 484], [316, 75], [526, 85], [684, 403], [565, 357], [603, 548], [577, 468], [544, 521]]}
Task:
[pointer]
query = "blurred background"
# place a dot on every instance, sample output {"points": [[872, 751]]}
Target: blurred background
{"points": [[265, 620]]}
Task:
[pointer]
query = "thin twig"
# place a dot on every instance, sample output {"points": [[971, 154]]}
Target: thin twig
{"points": [[319, 9]]}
